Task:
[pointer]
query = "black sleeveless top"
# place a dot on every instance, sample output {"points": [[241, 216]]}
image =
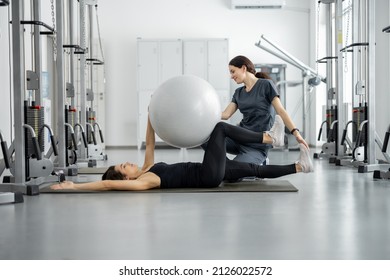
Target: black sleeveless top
{"points": [[178, 175]]}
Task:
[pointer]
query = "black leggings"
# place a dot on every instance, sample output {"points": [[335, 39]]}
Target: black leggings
{"points": [[216, 167]]}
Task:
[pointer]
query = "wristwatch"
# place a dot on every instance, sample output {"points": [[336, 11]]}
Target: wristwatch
{"points": [[293, 130]]}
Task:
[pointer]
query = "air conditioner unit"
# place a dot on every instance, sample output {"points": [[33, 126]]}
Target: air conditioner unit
{"points": [[257, 4]]}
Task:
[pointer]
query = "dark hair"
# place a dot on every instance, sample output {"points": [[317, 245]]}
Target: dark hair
{"points": [[263, 75], [241, 60], [112, 174]]}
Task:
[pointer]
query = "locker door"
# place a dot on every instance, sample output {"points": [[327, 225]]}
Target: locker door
{"points": [[148, 80], [148, 77], [171, 59], [218, 73], [195, 56], [144, 99]]}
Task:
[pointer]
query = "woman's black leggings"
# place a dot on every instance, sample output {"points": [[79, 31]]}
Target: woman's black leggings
{"points": [[216, 167]]}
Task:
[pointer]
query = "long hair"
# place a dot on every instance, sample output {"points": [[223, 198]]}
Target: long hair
{"points": [[241, 60], [112, 174]]}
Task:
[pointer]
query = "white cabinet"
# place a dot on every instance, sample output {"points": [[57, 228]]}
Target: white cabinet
{"points": [[217, 62], [148, 74], [171, 59], [158, 60], [208, 59], [195, 58], [161, 59]]}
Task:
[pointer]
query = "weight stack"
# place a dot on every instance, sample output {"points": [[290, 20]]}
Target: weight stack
{"points": [[331, 116], [34, 116], [359, 114], [70, 118], [91, 118]]}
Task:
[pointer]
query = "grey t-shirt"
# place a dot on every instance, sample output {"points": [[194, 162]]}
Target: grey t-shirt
{"points": [[255, 105]]}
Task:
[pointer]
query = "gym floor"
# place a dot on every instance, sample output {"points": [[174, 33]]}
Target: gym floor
{"points": [[337, 214]]}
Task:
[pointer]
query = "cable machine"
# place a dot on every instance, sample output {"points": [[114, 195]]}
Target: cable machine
{"points": [[95, 151], [29, 168], [362, 50], [91, 151], [7, 196], [71, 50], [330, 149]]}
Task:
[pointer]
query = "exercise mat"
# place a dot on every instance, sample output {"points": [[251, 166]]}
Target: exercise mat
{"points": [[243, 186]]}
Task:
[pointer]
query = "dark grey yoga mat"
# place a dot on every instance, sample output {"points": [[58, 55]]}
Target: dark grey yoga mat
{"points": [[244, 186]]}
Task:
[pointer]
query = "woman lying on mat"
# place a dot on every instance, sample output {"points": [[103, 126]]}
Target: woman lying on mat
{"points": [[210, 173]]}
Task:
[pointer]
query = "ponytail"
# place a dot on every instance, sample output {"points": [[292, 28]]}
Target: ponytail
{"points": [[263, 75]]}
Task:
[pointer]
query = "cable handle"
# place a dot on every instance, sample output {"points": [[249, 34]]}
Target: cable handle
{"points": [[52, 139], [53, 144], [359, 134], [100, 132], [82, 134], [74, 141], [344, 136], [330, 135], [92, 133], [320, 132], [345, 132], [35, 141], [84, 139], [4, 148], [101, 135], [386, 141], [72, 134], [36, 148], [94, 137]]}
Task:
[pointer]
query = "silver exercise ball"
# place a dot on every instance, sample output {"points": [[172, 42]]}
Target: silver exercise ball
{"points": [[184, 111]]}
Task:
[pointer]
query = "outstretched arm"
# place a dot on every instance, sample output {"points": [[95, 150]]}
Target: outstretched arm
{"points": [[149, 146], [108, 185], [281, 111]]}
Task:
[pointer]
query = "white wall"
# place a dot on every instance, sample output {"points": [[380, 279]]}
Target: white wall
{"points": [[123, 21]]}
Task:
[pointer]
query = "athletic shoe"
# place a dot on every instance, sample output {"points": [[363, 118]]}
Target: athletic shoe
{"points": [[305, 159], [277, 132]]}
